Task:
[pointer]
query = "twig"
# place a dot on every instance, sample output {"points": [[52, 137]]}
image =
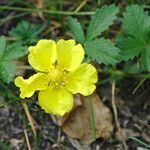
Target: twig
{"points": [[80, 6], [27, 139], [140, 142], [30, 119], [10, 17], [138, 86], [52, 12], [116, 115]]}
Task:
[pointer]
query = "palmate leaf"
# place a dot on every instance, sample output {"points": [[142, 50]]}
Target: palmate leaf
{"points": [[26, 32], [135, 42], [9, 54], [103, 51], [102, 19], [76, 30], [99, 50]]}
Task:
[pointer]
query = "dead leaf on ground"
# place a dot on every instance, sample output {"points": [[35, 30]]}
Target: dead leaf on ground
{"points": [[77, 124]]}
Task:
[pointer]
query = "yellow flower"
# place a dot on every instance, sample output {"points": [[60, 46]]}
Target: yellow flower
{"points": [[60, 74]]}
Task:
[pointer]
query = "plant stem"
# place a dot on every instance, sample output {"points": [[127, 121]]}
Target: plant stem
{"points": [[80, 6], [138, 86], [123, 74], [30, 119], [27, 139], [139, 141], [12, 17], [116, 114], [52, 12], [92, 117], [25, 107]]}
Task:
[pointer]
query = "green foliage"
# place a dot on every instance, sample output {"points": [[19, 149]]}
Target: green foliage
{"points": [[26, 32], [131, 68], [4, 146], [2, 45], [102, 19], [99, 50], [76, 30], [103, 51], [8, 54], [135, 41]]}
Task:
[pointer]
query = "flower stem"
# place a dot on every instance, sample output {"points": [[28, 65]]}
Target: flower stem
{"points": [[30, 119], [92, 117], [116, 115]]}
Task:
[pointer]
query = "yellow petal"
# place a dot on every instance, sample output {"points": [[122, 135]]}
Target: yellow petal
{"points": [[82, 80], [42, 55], [55, 101], [69, 55], [77, 54], [38, 81]]}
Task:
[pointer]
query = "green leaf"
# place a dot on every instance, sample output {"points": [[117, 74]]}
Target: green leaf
{"points": [[7, 71], [131, 67], [2, 45], [130, 47], [145, 59], [10, 53], [135, 21], [134, 41], [102, 19], [26, 32], [76, 30], [15, 51], [102, 51]]}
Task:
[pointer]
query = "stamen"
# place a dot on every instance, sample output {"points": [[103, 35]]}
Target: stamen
{"points": [[57, 76]]}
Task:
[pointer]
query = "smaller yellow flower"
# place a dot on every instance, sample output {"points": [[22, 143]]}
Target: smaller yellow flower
{"points": [[60, 74]]}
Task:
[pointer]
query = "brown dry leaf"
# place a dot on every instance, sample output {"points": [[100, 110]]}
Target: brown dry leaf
{"points": [[77, 102], [78, 124]]}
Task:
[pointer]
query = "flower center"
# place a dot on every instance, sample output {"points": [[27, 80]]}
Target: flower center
{"points": [[57, 77]]}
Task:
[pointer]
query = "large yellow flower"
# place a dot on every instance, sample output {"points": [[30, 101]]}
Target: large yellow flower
{"points": [[60, 74]]}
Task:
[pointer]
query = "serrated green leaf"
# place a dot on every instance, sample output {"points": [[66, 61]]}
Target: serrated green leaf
{"points": [[130, 47], [15, 51], [11, 52], [102, 51], [135, 41], [135, 21], [7, 71], [102, 19], [76, 30], [2, 45], [26, 32]]}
